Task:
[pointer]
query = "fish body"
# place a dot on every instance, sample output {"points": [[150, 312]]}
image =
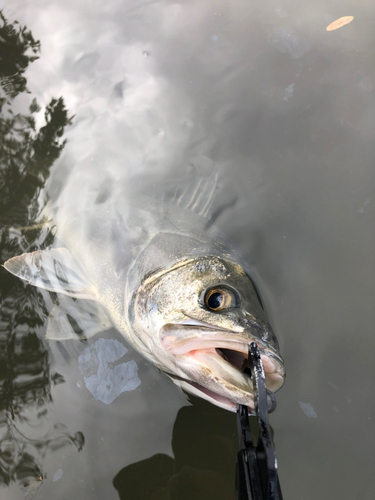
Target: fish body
{"points": [[169, 282]]}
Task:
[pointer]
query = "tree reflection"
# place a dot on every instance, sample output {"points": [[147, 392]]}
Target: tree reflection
{"points": [[16, 45], [26, 157]]}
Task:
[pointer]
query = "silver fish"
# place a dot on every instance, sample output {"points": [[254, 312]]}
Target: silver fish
{"points": [[169, 282]]}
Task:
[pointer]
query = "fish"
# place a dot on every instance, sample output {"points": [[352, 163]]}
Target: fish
{"points": [[168, 280]]}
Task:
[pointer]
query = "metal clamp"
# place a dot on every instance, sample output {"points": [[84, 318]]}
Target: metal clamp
{"points": [[257, 477]]}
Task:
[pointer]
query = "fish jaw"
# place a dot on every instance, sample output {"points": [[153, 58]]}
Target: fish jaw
{"points": [[212, 362]]}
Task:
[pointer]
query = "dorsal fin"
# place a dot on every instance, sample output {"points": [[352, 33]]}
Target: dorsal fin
{"points": [[197, 191], [198, 196]]}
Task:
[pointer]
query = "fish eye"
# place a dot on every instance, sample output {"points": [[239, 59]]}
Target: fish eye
{"points": [[217, 299]]}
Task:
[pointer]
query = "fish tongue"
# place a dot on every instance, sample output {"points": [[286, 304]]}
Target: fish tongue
{"points": [[221, 368]]}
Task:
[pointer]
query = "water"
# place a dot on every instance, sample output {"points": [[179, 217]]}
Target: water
{"points": [[285, 112]]}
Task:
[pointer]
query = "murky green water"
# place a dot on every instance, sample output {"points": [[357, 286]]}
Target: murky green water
{"points": [[284, 110]]}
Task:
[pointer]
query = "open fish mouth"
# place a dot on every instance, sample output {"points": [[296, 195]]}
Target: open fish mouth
{"points": [[210, 363]]}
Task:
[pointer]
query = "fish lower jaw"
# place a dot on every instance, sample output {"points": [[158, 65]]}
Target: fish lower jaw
{"points": [[213, 397], [208, 375]]}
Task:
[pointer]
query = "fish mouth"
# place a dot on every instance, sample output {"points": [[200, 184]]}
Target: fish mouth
{"points": [[210, 361]]}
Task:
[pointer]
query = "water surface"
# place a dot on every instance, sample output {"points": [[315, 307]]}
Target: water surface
{"points": [[284, 111]]}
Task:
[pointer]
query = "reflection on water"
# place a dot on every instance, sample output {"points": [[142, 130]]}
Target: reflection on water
{"points": [[17, 43], [26, 380], [285, 110], [204, 445]]}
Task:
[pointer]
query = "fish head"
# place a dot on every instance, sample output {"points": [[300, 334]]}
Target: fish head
{"points": [[197, 319]]}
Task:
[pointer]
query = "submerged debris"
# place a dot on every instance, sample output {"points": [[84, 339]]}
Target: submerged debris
{"points": [[58, 475], [307, 409], [105, 379]]}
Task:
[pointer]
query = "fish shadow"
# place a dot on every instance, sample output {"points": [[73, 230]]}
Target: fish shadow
{"points": [[204, 446]]}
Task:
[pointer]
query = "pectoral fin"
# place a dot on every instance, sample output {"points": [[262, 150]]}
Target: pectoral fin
{"points": [[54, 270], [76, 319]]}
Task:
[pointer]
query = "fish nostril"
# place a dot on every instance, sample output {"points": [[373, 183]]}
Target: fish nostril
{"points": [[271, 401], [248, 316]]}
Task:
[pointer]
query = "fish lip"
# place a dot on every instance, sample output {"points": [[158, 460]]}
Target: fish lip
{"points": [[218, 399], [215, 398]]}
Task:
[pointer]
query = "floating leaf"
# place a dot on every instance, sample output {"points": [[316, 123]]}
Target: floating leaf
{"points": [[339, 23]]}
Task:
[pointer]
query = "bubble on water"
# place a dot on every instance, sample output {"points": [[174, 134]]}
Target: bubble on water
{"points": [[104, 379], [307, 409]]}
